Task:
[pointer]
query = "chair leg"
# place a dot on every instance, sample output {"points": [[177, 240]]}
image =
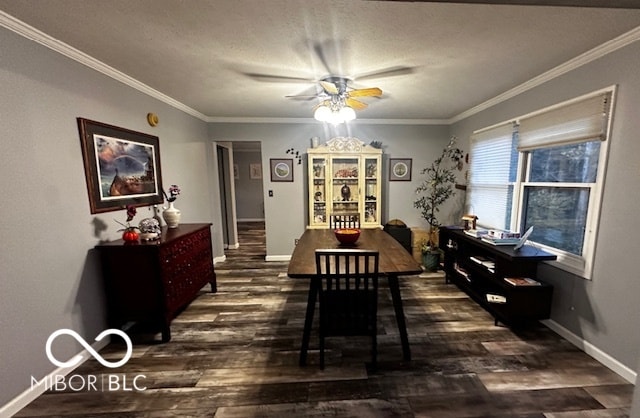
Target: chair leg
{"points": [[374, 348], [321, 351]]}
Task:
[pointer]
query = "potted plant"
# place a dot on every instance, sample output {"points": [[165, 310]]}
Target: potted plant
{"points": [[430, 255], [433, 191]]}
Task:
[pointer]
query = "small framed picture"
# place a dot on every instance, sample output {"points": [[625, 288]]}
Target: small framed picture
{"points": [[399, 169], [281, 169], [255, 171]]}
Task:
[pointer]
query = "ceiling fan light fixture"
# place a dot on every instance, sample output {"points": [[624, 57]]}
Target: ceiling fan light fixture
{"points": [[322, 113], [336, 113], [335, 118], [347, 113]]}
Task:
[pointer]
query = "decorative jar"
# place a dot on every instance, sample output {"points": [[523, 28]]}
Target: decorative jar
{"points": [[149, 229], [171, 216]]}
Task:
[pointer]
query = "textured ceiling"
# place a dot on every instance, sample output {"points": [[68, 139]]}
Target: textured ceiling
{"points": [[239, 59]]}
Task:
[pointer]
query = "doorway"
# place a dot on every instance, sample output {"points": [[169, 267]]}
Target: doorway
{"points": [[240, 175]]}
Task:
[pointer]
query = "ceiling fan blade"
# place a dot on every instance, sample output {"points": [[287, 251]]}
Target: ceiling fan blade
{"points": [[372, 91], [355, 104], [270, 78], [387, 72], [294, 97], [329, 87]]}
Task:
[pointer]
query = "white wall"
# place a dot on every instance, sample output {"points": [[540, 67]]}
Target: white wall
{"points": [[50, 275]]}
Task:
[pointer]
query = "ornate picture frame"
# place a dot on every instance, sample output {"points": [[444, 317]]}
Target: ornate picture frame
{"points": [[281, 169], [400, 169], [121, 166]]}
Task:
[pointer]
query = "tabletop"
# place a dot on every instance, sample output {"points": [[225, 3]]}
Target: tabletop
{"points": [[394, 258]]}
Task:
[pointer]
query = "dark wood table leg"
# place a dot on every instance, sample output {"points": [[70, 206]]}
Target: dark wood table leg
{"points": [[394, 288], [308, 319]]}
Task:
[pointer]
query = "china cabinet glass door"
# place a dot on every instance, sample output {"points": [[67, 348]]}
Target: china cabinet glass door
{"points": [[319, 192], [371, 190], [344, 183]]}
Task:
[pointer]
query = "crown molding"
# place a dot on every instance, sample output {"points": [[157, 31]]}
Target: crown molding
{"points": [[310, 120], [42, 38], [68, 51], [582, 59]]}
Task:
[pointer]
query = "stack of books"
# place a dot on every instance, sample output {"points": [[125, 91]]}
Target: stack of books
{"points": [[499, 234], [476, 232], [498, 237]]}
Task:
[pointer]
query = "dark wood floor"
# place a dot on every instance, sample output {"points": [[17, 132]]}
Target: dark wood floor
{"points": [[235, 354]]}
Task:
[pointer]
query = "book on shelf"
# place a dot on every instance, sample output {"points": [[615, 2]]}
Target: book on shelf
{"points": [[521, 281], [476, 232], [491, 298], [480, 259], [500, 241], [499, 234], [486, 262], [461, 272]]}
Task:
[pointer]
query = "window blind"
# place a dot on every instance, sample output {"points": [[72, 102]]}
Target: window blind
{"points": [[489, 191], [580, 121]]}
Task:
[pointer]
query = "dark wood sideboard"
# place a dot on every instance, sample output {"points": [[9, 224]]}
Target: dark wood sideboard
{"points": [[150, 282], [508, 303]]}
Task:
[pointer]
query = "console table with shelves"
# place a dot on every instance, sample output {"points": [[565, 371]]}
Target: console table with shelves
{"points": [[480, 270], [150, 282]]}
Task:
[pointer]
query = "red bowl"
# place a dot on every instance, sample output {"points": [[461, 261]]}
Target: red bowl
{"points": [[347, 235]]}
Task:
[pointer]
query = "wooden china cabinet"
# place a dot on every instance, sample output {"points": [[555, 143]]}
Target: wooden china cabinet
{"points": [[344, 178], [150, 282]]}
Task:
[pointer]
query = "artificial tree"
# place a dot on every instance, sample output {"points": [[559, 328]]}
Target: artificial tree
{"points": [[436, 189]]}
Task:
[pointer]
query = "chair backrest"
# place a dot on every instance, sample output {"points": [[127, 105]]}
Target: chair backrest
{"points": [[347, 269], [347, 220], [348, 294]]}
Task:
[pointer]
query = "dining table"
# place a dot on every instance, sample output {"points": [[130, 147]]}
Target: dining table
{"points": [[394, 261]]}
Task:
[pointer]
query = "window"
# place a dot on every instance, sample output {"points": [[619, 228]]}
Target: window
{"points": [[552, 181], [492, 174]]}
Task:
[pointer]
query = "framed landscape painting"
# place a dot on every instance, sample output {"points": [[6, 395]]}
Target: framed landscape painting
{"points": [[281, 169], [122, 167]]}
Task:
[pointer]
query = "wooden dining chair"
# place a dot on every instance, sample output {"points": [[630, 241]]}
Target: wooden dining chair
{"points": [[349, 220], [348, 295]]}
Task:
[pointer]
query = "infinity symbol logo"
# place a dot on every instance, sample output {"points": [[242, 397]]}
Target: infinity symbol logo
{"points": [[77, 359]]}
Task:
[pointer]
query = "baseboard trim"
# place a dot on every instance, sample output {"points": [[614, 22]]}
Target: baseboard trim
{"points": [[31, 394], [593, 351], [250, 219], [277, 258]]}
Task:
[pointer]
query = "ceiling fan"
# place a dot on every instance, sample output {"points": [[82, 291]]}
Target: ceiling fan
{"points": [[337, 102]]}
